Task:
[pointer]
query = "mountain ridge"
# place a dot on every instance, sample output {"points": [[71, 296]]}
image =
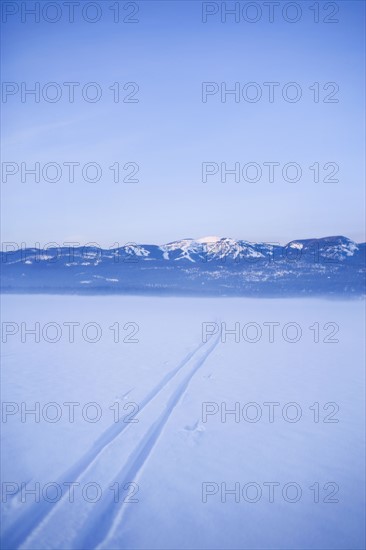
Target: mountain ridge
{"points": [[204, 266]]}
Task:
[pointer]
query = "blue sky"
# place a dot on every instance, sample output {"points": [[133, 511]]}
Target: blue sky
{"points": [[170, 132]]}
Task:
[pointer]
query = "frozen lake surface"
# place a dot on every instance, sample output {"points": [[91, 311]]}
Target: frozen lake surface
{"points": [[182, 423]]}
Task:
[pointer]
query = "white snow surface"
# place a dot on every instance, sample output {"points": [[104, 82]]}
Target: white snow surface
{"points": [[162, 372], [208, 239]]}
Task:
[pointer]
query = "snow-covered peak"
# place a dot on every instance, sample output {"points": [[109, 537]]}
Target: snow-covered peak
{"points": [[296, 244], [209, 248], [185, 248], [208, 240], [135, 250]]}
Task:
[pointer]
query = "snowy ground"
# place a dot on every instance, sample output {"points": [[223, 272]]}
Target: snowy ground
{"points": [[186, 479]]}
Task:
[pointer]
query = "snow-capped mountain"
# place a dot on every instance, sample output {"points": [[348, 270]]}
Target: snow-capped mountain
{"points": [[210, 249], [207, 265]]}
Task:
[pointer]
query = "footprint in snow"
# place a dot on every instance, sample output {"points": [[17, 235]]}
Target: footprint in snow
{"points": [[193, 433]]}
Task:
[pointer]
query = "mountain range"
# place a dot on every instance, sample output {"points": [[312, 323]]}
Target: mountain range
{"points": [[205, 266]]}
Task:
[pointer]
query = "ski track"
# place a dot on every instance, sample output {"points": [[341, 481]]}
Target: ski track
{"points": [[18, 532], [102, 524]]}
